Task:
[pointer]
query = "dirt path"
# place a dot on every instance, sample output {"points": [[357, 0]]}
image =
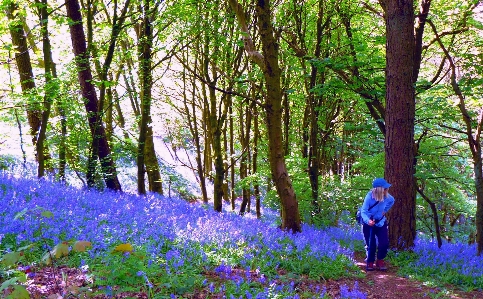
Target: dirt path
{"points": [[386, 284]]}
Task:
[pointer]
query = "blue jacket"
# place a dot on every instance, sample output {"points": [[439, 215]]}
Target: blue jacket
{"points": [[377, 211]]}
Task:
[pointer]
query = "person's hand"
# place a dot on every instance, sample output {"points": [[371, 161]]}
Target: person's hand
{"points": [[371, 222]]}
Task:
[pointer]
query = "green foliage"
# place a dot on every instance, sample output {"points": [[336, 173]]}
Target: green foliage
{"points": [[408, 266], [6, 161]]}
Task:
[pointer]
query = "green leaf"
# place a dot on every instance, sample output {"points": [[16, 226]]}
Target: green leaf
{"points": [[11, 258], [8, 283], [47, 214], [26, 247], [19, 292], [21, 214]]}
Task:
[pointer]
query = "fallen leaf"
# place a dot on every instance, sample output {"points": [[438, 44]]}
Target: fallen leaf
{"points": [[47, 258], [60, 250], [124, 248], [81, 246]]}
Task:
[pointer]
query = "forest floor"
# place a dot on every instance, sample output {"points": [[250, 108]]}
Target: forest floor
{"points": [[387, 284], [63, 282]]}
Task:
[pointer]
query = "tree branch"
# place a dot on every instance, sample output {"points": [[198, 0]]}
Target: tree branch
{"points": [[472, 140], [247, 40]]}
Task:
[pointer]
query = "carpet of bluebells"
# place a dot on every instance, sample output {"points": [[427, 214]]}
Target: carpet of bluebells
{"points": [[170, 248]]}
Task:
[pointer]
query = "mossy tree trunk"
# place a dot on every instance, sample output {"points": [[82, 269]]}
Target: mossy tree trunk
{"points": [[267, 60]]}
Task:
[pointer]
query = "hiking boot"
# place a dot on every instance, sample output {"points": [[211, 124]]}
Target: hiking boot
{"points": [[381, 265], [370, 267]]}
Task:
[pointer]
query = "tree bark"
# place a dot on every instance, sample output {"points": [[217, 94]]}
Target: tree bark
{"points": [[268, 62], [102, 149], [399, 121], [256, 185], [24, 66], [232, 159], [48, 90], [245, 127], [145, 41], [146, 151]]}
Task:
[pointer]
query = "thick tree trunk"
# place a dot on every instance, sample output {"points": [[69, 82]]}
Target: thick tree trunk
{"points": [[216, 131], [24, 66], [145, 42], [399, 121], [268, 62], [273, 108], [102, 149], [151, 161], [146, 152], [48, 93]]}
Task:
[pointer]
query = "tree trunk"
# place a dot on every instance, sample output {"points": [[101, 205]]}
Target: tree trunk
{"points": [[434, 209], [102, 149], [256, 185], [145, 44], [193, 123], [216, 132], [147, 160], [48, 94], [245, 127], [151, 161], [232, 159], [268, 62], [314, 104], [109, 114], [286, 120], [24, 66], [479, 203], [399, 121]]}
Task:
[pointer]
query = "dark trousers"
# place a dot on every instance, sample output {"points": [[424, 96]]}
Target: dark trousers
{"points": [[370, 235]]}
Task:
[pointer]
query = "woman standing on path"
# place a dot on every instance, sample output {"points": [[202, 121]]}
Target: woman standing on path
{"points": [[377, 203]]}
